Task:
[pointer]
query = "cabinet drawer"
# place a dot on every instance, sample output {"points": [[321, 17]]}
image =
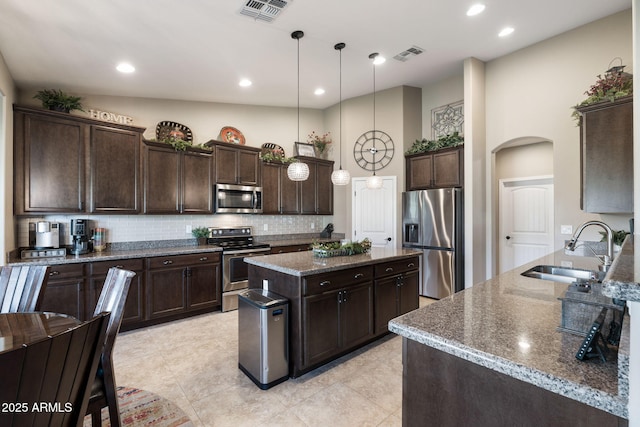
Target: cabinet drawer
{"points": [[102, 267], [289, 248], [396, 267], [182, 260], [64, 271], [335, 280]]}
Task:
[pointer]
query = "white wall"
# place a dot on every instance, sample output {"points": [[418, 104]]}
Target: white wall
{"points": [[7, 97], [444, 92]]}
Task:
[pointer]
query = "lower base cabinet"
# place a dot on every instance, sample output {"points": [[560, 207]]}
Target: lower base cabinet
{"points": [[395, 296], [164, 288]]}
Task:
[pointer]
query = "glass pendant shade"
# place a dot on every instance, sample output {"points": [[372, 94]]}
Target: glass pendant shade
{"points": [[374, 182], [298, 171], [340, 177]]}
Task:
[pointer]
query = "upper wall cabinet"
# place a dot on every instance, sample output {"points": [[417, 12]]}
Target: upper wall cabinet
{"points": [[436, 169], [606, 154], [236, 164], [51, 154]]}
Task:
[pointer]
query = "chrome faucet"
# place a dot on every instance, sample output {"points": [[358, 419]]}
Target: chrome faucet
{"points": [[606, 259]]}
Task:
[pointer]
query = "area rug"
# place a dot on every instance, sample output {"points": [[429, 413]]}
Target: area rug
{"points": [[142, 408]]}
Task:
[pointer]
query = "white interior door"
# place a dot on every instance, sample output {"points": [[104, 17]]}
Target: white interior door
{"points": [[526, 220], [374, 212]]}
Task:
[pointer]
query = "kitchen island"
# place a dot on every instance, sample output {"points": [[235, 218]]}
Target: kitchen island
{"points": [[492, 355], [340, 303]]}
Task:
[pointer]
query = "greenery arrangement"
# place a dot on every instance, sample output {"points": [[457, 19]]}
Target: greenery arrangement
{"points": [[276, 155], [320, 142], [325, 250], [178, 144], [55, 99], [618, 236], [615, 84], [424, 145], [200, 232]]}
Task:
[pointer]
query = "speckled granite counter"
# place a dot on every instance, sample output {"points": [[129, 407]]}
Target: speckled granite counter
{"points": [[508, 324], [305, 264], [140, 252], [623, 281]]}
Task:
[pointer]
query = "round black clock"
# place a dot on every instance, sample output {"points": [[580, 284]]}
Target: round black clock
{"points": [[373, 150]]}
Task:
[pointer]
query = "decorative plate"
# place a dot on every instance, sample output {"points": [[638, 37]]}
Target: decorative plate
{"points": [[167, 129], [270, 147], [232, 135]]}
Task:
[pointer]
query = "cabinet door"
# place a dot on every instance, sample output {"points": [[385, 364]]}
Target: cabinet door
{"points": [[53, 164], [447, 169], [289, 194], [162, 180], [65, 296], [271, 188], [408, 299], [248, 168], [226, 165], [203, 289], [324, 202], [356, 315], [308, 194], [115, 170], [321, 327], [419, 172], [386, 302], [166, 292], [197, 183]]}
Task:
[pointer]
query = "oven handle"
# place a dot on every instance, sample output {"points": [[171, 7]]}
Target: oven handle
{"points": [[246, 251]]}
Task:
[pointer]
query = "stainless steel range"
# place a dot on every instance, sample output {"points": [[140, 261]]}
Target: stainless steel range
{"points": [[237, 244]]}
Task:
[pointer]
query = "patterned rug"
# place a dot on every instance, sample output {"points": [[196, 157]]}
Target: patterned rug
{"points": [[142, 408]]}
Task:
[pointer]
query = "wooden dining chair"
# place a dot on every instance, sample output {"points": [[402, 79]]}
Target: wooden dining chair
{"points": [[112, 299], [22, 287], [49, 381]]}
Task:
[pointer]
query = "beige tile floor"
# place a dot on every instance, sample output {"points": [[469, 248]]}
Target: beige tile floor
{"points": [[194, 363]]}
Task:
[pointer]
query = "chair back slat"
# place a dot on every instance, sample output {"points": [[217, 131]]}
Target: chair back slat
{"points": [[22, 287], [112, 299], [11, 363]]}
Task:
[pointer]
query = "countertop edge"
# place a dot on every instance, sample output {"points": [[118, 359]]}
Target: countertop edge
{"points": [[615, 405], [620, 282]]}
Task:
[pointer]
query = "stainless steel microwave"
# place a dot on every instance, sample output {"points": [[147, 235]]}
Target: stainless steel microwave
{"points": [[244, 199]]}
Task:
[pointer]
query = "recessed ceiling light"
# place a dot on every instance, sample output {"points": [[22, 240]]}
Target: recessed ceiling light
{"points": [[475, 9], [245, 83], [505, 32], [125, 67], [379, 60], [319, 91]]}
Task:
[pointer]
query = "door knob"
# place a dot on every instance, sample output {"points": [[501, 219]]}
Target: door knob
{"points": [[388, 239], [508, 237]]}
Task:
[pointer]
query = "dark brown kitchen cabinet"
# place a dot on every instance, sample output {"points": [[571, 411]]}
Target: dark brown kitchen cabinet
{"points": [[438, 169], [396, 290], [66, 163], [290, 248], [279, 193], [115, 170], [177, 181], [134, 305], [236, 164], [182, 283], [316, 192], [606, 154], [337, 313], [66, 291]]}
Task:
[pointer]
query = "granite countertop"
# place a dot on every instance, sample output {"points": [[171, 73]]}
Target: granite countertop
{"points": [[623, 282], [509, 324], [296, 241], [142, 252], [305, 264]]}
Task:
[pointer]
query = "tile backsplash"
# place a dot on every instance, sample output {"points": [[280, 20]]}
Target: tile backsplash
{"points": [[132, 228]]}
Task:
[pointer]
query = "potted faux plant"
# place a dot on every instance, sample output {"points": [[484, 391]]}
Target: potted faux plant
{"points": [[615, 84], [57, 100], [618, 238], [320, 143], [425, 145], [200, 233]]}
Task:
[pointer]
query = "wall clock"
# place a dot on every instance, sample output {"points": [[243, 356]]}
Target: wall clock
{"points": [[373, 150]]}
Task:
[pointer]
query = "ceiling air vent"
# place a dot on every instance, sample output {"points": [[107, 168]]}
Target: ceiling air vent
{"points": [[264, 10], [405, 55]]}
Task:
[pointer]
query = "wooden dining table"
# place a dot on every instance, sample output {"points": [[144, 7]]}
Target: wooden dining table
{"points": [[18, 329]]}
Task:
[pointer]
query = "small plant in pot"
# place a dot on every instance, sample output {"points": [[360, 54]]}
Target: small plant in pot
{"points": [[200, 233], [57, 100]]}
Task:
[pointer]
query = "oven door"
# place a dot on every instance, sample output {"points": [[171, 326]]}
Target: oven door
{"points": [[235, 275]]}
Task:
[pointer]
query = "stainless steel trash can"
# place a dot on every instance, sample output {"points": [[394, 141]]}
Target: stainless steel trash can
{"points": [[263, 337]]}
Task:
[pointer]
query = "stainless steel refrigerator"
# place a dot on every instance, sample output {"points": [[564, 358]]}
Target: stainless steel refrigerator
{"points": [[432, 220]]}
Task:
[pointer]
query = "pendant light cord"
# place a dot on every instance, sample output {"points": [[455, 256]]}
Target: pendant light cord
{"points": [[374, 115], [340, 109], [298, 90]]}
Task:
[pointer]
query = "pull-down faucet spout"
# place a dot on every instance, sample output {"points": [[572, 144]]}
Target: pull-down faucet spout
{"points": [[608, 258]]}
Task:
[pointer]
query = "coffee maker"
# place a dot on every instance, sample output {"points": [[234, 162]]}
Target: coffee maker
{"points": [[79, 236], [44, 235]]}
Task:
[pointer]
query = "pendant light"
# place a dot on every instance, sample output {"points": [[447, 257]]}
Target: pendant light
{"points": [[298, 171], [340, 177], [374, 182]]}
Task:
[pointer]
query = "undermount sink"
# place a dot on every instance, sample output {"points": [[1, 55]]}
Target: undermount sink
{"points": [[563, 274]]}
